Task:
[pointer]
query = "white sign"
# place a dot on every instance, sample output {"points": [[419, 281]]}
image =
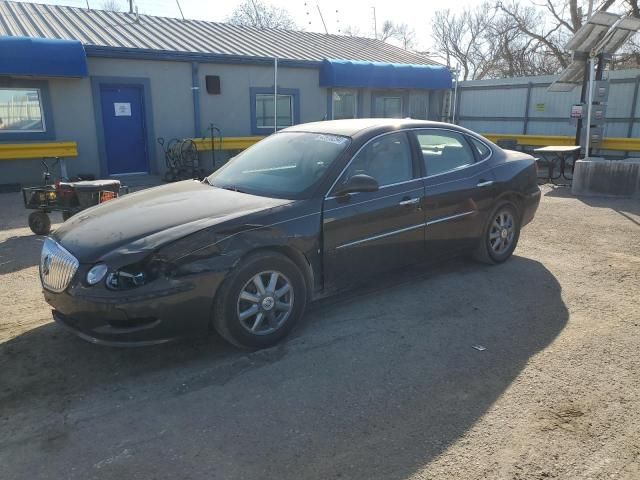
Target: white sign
{"points": [[331, 139], [122, 109], [577, 111]]}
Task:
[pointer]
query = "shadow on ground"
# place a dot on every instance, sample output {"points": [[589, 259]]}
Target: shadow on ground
{"points": [[19, 248], [374, 384], [622, 206], [19, 252]]}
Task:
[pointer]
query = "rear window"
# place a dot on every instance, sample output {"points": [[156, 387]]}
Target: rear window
{"points": [[444, 151], [481, 148]]}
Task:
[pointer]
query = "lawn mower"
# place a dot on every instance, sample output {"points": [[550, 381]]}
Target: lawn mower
{"points": [[68, 197]]}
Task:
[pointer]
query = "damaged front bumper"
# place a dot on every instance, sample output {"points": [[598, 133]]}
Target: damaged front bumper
{"points": [[162, 311]]}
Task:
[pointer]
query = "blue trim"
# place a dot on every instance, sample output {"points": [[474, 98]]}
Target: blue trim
{"points": [[42, 57], [145, 84], [195, 88], [356, 73], [45, 100], [150, 54], [253, 91]]}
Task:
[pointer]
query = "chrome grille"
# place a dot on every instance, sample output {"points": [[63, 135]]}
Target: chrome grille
{"points": [[57, 266]]}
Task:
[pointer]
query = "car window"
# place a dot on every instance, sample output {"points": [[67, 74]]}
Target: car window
{"points": [[481, 148], [443, 151], [387, 159]]}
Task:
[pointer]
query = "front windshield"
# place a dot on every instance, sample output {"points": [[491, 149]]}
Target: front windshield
{"points": [[282, 165]]}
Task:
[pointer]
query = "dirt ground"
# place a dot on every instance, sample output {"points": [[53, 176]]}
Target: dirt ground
{"points": [[382, 383]]}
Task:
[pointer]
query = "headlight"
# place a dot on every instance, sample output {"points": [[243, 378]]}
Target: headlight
{"points": [[96, 273], [122, 280]]}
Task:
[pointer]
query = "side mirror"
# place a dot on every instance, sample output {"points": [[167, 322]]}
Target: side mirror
{"points": [[358, 183]]}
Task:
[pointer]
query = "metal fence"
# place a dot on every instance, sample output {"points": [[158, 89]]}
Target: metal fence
{"points": [[523, 106]]}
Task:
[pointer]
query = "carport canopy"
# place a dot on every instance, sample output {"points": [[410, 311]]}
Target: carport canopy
{"points": [[42, 57], [363, 74]]}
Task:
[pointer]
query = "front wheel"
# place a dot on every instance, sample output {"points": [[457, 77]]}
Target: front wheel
{"points": [[260, 301], [39, 223], [500, 235]]}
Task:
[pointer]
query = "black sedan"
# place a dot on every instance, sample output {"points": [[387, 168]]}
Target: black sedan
{"points": [[303, 213]]}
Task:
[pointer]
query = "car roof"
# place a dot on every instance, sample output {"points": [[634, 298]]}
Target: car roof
{"points": [[357, 126]]}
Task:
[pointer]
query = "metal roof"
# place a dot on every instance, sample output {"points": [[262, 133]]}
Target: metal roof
{"points": [[99, 30]]}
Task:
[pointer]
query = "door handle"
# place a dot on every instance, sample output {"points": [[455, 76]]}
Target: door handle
{"points": [[485, 184], [410, 201]]}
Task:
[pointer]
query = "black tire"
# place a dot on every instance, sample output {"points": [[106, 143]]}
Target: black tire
{"points": [[39, 223], [486, 251], [66, 215], [226, 318]]}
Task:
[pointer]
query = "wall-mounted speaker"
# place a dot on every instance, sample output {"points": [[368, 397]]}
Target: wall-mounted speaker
{"points": [[213, 84]]}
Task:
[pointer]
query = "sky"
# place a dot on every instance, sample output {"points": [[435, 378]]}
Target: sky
{"points": [[337, 14]]}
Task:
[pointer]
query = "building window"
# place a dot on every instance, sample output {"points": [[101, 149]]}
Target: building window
{"points": [[388, 107], [265, 111], [344, 104], [262, 109], [21, 111]]}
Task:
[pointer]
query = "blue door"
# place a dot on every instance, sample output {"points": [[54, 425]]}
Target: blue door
{"points": [[125, 135]]}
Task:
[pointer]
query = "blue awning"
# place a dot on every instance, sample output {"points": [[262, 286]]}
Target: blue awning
{"points": [[42, 57], [359, 74]]}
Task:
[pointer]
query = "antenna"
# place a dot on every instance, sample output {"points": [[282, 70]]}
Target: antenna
{"points": [[322, 18], [137, 15], [130, 6], [88, 7], [180, 8], [338, 22]]}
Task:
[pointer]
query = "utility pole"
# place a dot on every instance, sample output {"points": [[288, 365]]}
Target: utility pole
{"points": [[583, 92], [375, 23]]}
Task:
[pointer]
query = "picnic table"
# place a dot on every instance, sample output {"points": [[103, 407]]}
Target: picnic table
{"points": [[557, 153]]}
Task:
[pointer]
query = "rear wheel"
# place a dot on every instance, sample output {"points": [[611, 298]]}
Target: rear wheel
{"points": [[260, 301], [39, 223], [500, 235]]}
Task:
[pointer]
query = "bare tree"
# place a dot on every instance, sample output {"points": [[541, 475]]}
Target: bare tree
{"points": [[401, 32], [511, 38], [388, 31], [553, 35], [406, 35], [111, 5], [462, 39], [256, 13], [550, 25], [352, 31]]}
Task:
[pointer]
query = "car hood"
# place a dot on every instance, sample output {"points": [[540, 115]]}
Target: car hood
{"points": [[153, 217]]}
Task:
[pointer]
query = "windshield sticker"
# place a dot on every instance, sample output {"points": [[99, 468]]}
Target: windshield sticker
{"points": [[331, 139]]}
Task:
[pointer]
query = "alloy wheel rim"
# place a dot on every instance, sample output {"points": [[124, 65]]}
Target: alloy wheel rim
{"points": [[265, 302], [502, 232]]}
